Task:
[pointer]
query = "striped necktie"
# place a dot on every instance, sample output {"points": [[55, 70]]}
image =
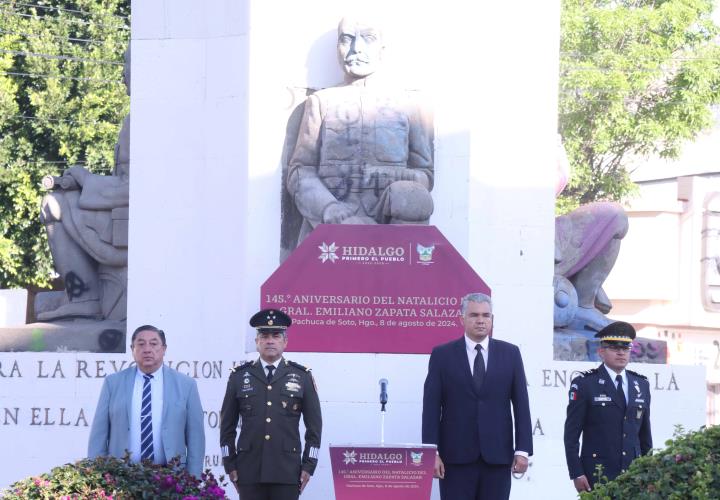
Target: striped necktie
{"points": [[146, 433]]}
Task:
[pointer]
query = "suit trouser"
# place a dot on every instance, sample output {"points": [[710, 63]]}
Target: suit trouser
{"points": [[476, 481], [269, 491]]}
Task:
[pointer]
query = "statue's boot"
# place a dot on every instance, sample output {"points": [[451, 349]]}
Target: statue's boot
{"points": [[85, 309]]}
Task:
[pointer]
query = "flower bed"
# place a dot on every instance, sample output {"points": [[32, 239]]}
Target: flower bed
{"points": [[116, 478], [688, 468]]}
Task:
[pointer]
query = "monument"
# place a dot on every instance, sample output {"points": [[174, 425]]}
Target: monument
{"points": [[587, 244], [86, 218], [364, 149]]}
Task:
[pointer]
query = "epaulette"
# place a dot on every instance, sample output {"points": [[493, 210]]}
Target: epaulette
{"points": [[297, 365], [588, 372], [241, 366], [638, 375]]}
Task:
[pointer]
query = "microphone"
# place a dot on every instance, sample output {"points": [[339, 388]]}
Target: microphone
{"points": [[383, 393]]}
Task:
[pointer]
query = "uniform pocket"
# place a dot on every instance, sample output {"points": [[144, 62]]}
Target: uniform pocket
{"points": [[247, 403]]}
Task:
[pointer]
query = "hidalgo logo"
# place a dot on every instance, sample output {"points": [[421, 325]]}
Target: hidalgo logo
{"points": [[416, 458], [327, 252], [349, 457]]}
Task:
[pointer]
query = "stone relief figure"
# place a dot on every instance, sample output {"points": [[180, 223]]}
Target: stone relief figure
{"points": [[587, 243], [86, 216], [364, 150]]}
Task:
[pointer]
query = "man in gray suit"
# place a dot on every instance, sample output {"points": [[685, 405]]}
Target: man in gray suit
{"points": [[150, 410]]}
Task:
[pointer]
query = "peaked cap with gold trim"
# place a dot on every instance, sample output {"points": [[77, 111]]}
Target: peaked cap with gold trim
{"points": [[617, 333]]}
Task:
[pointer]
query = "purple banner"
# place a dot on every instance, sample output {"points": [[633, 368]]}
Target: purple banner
{"points": [[372, 288], [393, 472]]}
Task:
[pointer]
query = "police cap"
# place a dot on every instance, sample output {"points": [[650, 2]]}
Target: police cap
{"points": [[270, 321], [617, 333]]}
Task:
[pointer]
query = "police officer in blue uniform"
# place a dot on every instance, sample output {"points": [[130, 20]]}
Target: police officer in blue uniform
{"points": [[269, 395], [610, 407]]}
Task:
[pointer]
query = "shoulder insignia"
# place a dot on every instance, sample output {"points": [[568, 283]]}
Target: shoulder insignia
{"points": [[638, 375], [588, 372], [240, 366], [297, 365]]}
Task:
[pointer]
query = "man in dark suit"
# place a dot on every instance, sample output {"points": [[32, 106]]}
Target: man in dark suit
{"points": [[470, 386], [150, 410], [269, 395], [610, 407]]}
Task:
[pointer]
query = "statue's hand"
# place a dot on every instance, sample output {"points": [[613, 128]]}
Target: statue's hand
{"points": [[337, 212], [381, 176], [78, 173], [411, 174]]}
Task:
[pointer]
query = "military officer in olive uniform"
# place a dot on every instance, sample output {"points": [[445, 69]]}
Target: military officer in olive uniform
{"points": [[610, 407], [269, 395]]}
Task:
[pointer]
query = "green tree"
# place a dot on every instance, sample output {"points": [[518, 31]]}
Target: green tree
{"points": [[62, 102], [638, 78]]}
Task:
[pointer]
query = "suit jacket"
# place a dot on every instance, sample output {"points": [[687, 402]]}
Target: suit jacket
{"points": [[183, 430], [466, 425], [611, 437]]}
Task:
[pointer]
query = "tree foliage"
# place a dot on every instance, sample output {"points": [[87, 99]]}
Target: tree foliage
{"points": [[62, 102], [637, 79]]}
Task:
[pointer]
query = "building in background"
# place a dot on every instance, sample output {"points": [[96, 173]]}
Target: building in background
{"points": [[667, 278]]}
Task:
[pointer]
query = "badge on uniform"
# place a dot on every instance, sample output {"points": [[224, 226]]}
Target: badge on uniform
{"points": [[601, 380], [573, 396], [284, 403], [246, 380], [292, 386], [602, 397]]}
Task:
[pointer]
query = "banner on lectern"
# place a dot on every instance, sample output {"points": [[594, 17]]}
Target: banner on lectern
{"points": [[389, 472]]}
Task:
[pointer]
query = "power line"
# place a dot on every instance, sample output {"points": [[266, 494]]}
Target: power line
{"points": [[58, 9], [578, 56], [59, 77], [61, 57], [70, 19], [71, 39], [60, 120]]}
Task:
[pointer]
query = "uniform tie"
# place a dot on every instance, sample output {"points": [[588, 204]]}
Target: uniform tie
{"points": [[621, 393], [146, 432], [478, 368], [270, 369]]}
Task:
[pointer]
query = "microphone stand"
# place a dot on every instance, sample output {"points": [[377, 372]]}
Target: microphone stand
{"points": [[383, 401]]}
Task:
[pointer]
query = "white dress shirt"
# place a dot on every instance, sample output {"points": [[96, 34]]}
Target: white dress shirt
{"points": [[471, 353], [156, 388], [265, 365], [623, 374]]}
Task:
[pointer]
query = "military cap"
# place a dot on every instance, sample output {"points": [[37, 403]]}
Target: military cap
{"points": [[617, 333], [270, 321]]}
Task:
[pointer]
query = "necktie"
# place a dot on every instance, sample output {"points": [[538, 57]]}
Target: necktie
{"points": [[270, 369], [146, 433], [621, 393], [478, 368]]}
